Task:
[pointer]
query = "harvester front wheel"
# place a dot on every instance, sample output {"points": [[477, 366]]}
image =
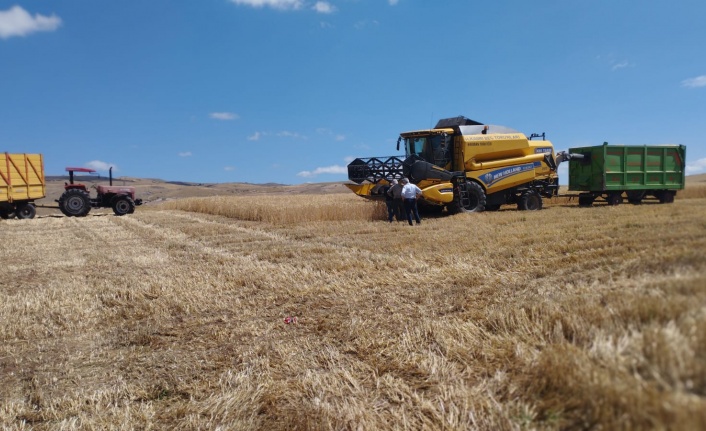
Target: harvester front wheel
{"points": [[470, 197], [75, 203], [123, 205], [26, 211], [530, 201]]}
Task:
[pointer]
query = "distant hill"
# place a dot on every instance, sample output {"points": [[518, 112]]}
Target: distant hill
{"points": [[700, 178], [155, 190]]}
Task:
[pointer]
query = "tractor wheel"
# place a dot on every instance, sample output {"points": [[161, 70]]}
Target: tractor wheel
{"points": [[123, 205], [530, 201], [26, 211], [75, 203], [614, 199], [5, 214]]}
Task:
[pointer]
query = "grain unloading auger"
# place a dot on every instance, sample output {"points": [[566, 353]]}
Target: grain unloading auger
{"points": [[464, 165]]}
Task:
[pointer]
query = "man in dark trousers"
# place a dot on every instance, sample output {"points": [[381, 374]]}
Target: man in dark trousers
{"points": [[410, 193], [395, 192]]}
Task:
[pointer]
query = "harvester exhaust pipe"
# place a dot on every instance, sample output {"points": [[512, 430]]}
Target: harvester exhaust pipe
{"points": [[110, 175]]}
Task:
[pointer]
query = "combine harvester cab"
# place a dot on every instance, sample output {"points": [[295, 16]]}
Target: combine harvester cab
{"points": [[465, 166]]}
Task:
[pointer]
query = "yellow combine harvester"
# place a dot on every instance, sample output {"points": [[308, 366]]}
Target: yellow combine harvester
{"points": [[21, 182], [464, 165]]}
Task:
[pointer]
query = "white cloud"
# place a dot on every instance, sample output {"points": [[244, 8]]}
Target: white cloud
{"points": [[255, 136], [288, 134], [335, 169], [696, 167], [224, 116], [185, 154], [274, 4], [101, 166], [621, 65], [18, 22], [329, 132], [365, 24], [393, 2], [324, 7], [229, 168], [699, 81]]}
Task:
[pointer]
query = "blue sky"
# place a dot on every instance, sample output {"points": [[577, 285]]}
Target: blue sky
{"points": [[289, 91]]}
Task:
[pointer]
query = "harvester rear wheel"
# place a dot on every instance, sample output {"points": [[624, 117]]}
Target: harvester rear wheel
{"points": [[123, 205], [26, 211], [75, 203], [530, 201]]}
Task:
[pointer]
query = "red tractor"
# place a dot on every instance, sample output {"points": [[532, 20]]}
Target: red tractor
{"points": [[77, 202]]}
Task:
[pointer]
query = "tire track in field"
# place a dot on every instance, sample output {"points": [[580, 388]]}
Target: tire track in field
{"points": [[275, 238], [309, 257], [175, 242]]}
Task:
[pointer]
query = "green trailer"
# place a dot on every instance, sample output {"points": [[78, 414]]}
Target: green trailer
{"points": [[636, 172]]}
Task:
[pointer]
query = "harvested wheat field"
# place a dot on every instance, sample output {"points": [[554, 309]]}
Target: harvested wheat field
{"points": [[175, 317]]}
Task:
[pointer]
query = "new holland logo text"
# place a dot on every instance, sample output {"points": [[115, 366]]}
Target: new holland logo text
{"points": [[500, 174]]}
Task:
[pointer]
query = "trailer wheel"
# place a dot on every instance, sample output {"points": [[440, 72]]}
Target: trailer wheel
{"points": [[530, 201], [26, 211], [614, 199], [666, 197], [75, 203], [586, 200], [635, 196], [123, 205], [5, 214]]}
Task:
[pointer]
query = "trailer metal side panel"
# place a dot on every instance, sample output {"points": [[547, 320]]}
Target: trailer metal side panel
{"points": [[21, 177], [625, 167]]}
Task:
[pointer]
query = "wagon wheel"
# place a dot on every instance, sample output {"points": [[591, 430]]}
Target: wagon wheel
{"points": [[615, 199], [26, 211]]}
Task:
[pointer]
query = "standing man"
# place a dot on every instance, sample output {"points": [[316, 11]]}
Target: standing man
{"points": [[389, 201], [410, 193], [397, 205]]}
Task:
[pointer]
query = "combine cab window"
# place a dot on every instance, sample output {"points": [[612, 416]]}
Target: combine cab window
{"points": [[415, 145], [435, 149]]}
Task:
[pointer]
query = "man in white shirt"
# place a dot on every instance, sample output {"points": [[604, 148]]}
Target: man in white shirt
{"points": [[410, 193]]}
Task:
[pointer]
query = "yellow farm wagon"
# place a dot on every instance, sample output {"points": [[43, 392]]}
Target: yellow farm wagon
{"points": [[21, 182]]}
